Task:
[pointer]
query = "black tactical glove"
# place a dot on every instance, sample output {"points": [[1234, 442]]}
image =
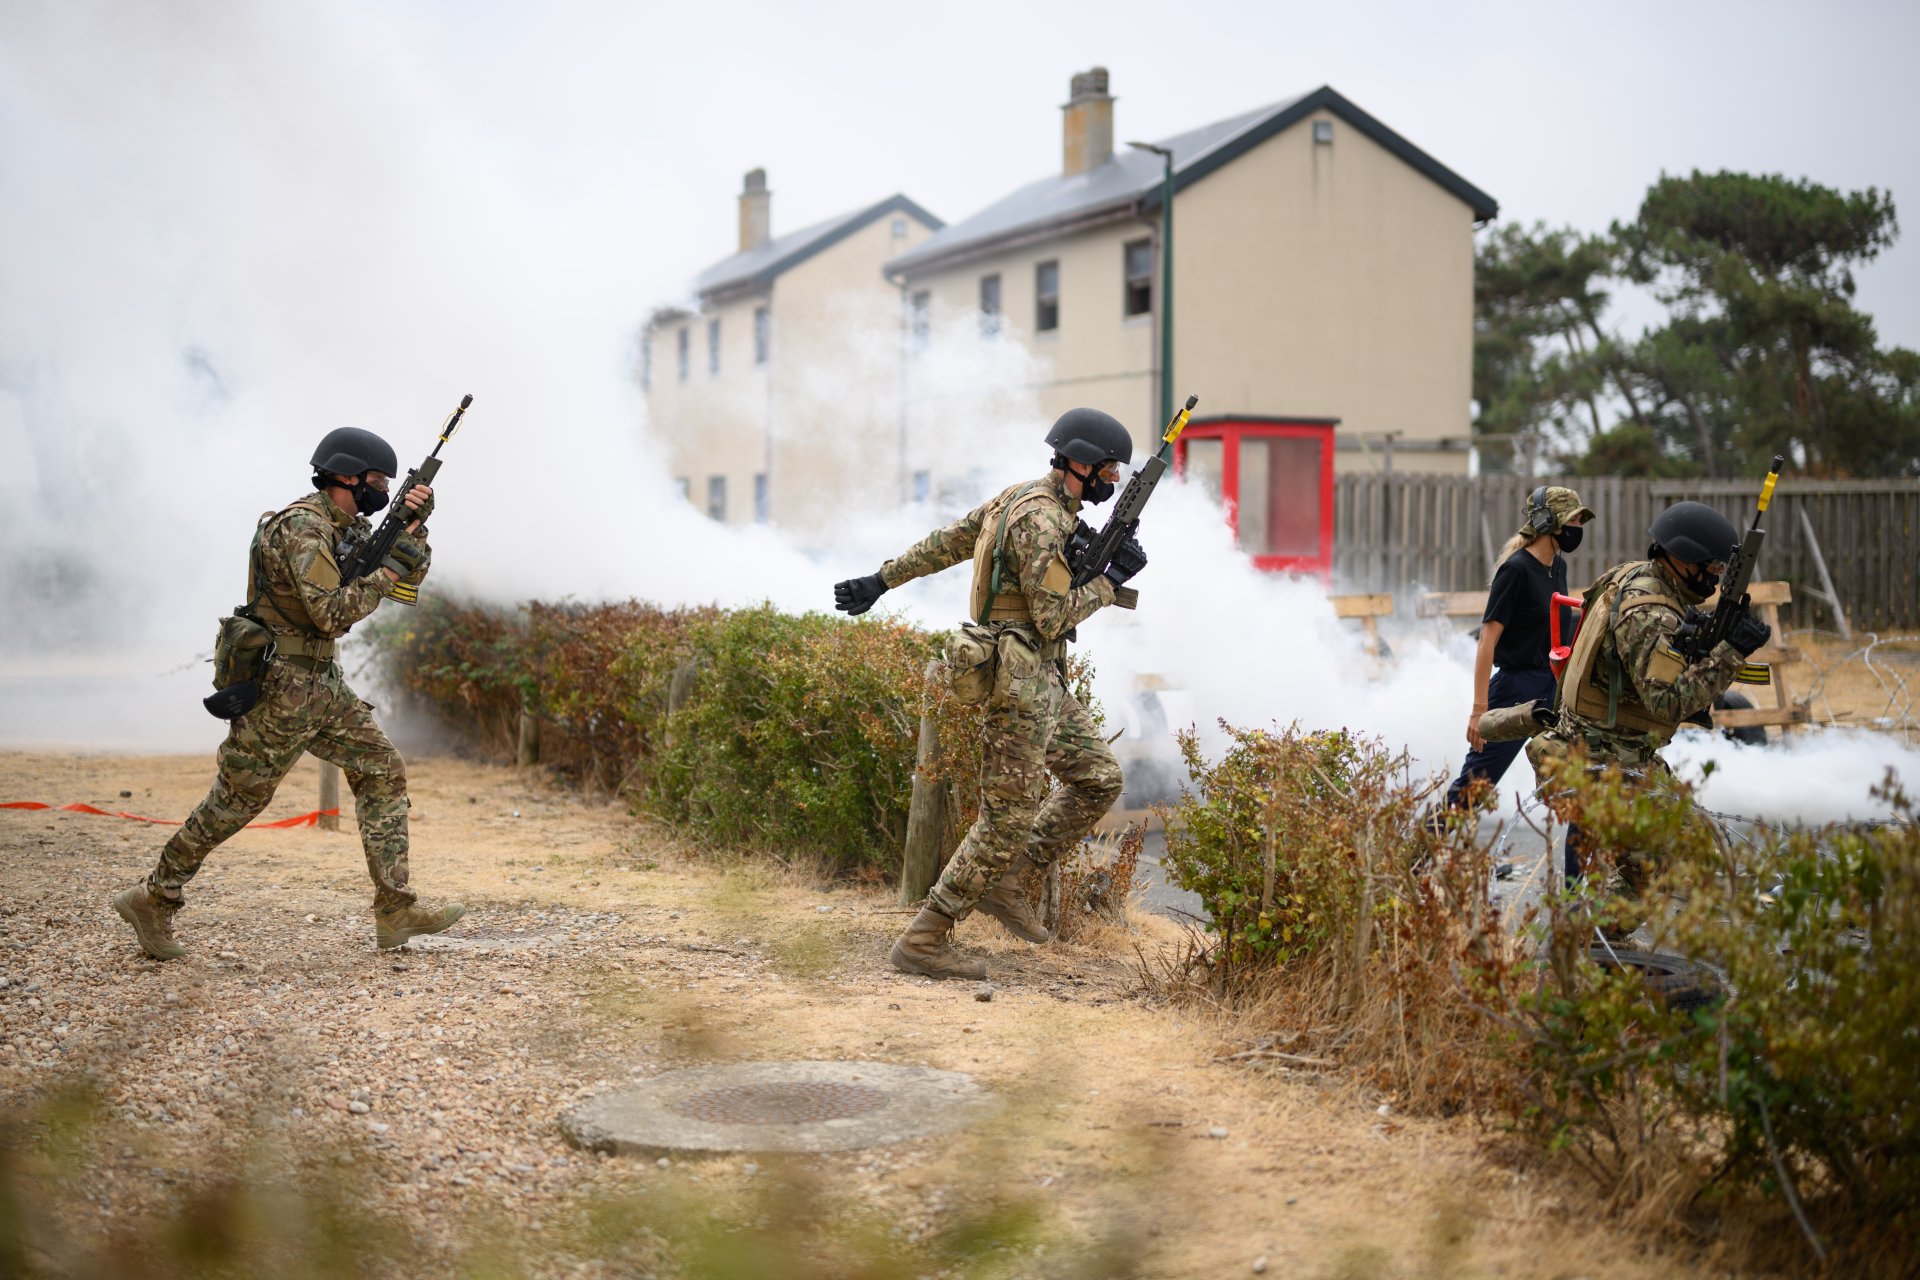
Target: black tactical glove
{"points": [[1128, 559], [1748, 633], [407, 556], [856, 595]]}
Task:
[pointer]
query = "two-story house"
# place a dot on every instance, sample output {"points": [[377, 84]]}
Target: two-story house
{"points": [[733, 381], [1323, 297]]}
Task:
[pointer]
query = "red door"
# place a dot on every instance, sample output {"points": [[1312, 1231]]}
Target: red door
{"points": [[1275, 478]]}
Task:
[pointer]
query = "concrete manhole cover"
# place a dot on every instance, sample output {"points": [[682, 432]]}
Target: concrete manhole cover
{"points": [[801, 1102], [778, 1106]]}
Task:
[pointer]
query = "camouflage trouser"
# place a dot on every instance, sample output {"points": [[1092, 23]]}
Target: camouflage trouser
{"points": [[1034, 726], [1631, 869], [301, 711]]}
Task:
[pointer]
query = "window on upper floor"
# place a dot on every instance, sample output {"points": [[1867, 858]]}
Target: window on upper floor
{"points": [[762, 499], [717, 498], [1046, 297], [713, 345], [646, 362], [686, 345], [762, 335], [990, 305], [683, 487], [1139, 270], [920, 318], [922, 485]]}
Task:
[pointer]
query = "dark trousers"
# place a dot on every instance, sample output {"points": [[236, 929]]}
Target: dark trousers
{"points": [[1490, 763]]}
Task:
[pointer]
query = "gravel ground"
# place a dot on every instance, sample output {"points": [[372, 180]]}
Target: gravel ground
{"points": [[414, 1095]]}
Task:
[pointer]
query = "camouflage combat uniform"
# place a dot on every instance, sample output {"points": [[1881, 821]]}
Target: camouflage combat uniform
{"points": [[305, 705], [1658, 691], [1034, 724]]}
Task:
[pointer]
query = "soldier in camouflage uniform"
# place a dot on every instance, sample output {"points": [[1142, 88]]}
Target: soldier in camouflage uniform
{"points": [[293, 581], [1626, 689], [1023, 593]]}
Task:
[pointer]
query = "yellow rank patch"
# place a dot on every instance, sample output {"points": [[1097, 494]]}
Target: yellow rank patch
{"points": [[1058, 578], [1665, 665], [323, 572]]}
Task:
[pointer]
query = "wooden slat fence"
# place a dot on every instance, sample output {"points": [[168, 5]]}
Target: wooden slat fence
{"points": [[1405, 532]]}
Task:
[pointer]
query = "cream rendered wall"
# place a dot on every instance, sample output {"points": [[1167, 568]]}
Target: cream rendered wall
{"points": [[1098, 356], [813, 407], [1328, 281], [836, 380]]}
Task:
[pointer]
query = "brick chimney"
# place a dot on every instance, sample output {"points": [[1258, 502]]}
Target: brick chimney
{"points": [[756, 209], [1087, 140]]}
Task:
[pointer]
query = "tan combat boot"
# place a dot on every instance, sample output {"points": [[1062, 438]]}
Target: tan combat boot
{"points": [[1007, 903], [392, 928], [924, 949], [152, 921]]}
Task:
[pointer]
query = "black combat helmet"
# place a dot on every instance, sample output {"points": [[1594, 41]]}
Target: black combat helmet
{"points": [[1091, 437], [349, 451], [1694, 533]]}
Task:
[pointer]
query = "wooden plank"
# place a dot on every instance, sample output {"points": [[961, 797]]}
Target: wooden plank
{"points": [[1451, 604], [1742, 718], [1373, 605]]}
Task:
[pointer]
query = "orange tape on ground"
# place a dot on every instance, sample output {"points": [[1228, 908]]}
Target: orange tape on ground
{"points": [[304, 820]]}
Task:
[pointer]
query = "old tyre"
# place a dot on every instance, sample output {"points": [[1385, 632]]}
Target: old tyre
{"points": [[1677, 981], [1752, 735]]}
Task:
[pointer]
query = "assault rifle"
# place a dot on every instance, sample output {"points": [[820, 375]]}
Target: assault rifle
{"points": [[1091, 557], [1701, 632], [360, 556]]}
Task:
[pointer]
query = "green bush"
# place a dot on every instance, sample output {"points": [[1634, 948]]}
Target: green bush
{"points": [[1255, 844], [797, 734], [1800, 1081], [800, 734]]}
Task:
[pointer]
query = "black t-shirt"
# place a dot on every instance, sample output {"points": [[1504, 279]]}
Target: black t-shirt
{"points": [[1519, 599]]}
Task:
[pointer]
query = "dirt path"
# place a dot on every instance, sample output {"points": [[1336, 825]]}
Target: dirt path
{"points": [[597, 950]]}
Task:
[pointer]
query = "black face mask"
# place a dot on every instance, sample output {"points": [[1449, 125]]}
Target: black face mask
{"points": [[1094, 490], [1569, 537], [1700, 581], [367, 499]]}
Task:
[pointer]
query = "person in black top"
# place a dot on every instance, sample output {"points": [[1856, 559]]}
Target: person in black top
{"points": [[1511, 665]]}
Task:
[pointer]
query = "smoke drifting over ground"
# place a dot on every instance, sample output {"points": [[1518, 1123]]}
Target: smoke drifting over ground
{"points": [[225, 230]]}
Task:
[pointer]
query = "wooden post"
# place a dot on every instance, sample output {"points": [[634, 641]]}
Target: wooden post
{"points": [[680, 685], [927, 813], [527, 748], [329, 795], [1827, 592]]}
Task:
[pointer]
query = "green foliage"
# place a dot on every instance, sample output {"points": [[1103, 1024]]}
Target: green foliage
{"points": [[797, 734], [1799, 1081], [1253, 842], [800, 735], [1762, 350]]}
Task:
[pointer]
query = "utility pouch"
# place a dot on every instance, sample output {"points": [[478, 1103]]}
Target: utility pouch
{"points": [[1019, 662], [972, 658], [241, 651]]}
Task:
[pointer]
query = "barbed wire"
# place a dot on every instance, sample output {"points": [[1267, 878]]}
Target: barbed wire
{"points": [[1898, 712]]}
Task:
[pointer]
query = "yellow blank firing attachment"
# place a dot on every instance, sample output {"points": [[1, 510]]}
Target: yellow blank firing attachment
{"points": [[1179, 422], [1773, 478]]}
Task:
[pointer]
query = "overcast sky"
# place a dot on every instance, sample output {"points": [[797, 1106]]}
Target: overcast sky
{"points": [[1563, 112]]}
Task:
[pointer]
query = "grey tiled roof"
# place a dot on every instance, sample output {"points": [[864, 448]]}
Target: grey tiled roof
{"points": [[1131, 176], [757, 268]]}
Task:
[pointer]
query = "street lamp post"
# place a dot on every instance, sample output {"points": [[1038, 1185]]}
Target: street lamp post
{"points": [[1166, 277]]}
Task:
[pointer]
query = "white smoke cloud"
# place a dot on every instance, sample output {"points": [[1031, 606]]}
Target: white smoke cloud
{"points": [[227, 229]]}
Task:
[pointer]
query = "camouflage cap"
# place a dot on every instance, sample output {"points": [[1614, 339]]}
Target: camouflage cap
{"points": [[1550, 507]]}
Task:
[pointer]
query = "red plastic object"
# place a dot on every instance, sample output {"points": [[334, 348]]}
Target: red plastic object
{"points": [[1285, 466], [1558, 653]]}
